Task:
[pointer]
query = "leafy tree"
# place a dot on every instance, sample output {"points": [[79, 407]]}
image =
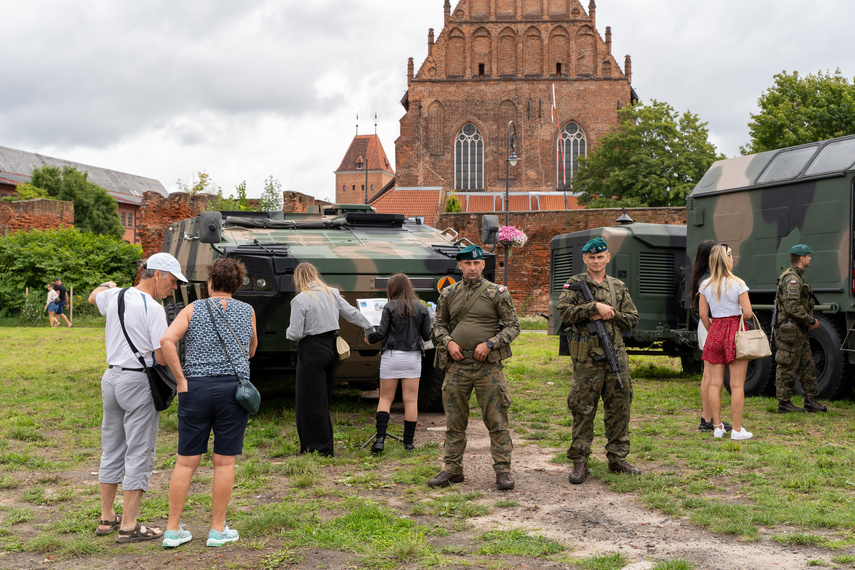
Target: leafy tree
{"points": [[94, 209], [81, 259], [233, 203], [27, 192], [653, 158], [204, 185], [271, 198], [798, 110]]}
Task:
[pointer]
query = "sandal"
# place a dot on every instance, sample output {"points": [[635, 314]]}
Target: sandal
{"points": [[137, 536], [114, 525]]}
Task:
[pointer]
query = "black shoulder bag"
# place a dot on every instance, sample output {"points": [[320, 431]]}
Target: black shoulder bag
{"points": [[247, 395], [160, 379]]}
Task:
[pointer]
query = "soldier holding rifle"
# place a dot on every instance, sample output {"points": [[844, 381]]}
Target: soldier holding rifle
{"points": [[598, 307]]}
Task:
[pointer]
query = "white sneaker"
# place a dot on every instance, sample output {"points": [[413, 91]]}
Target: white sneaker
{"points": [[718, 431], [741, 434]]}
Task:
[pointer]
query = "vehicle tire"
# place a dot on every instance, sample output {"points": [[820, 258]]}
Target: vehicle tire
{"points": [[172, 310], [831, 365], [692, 365], [430, 385], [761, 372]]}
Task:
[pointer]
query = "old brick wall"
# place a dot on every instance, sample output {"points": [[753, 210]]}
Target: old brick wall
{"points": [[528, 269], [39, 214], [158, 211], [297, 202]]}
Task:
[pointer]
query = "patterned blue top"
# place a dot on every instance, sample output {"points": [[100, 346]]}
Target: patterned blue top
{"points": [[204, 352]]}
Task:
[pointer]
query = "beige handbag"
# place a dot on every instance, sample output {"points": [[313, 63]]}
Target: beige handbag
{"points": [[751, 344], [342, 347]]}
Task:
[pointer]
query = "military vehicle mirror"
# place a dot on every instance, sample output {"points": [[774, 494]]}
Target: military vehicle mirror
{"points": [[490, 229], [210, 227]]}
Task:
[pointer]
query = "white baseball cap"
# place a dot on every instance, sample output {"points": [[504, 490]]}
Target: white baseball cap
{"points": [[165, 262]]}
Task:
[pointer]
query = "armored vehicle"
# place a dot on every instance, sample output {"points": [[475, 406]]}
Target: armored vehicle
{"points": [[356, 251], [763, 204], [649, 259]]}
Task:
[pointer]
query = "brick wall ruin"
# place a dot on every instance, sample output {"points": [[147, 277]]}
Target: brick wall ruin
{"points": [[38, 214]]}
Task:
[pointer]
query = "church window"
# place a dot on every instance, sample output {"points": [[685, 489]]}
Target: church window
{"points": [[480, 70], [572, 145], [469, 159], [557, 69]]}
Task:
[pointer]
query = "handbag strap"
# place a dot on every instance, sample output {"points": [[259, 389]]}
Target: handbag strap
{"points": [[222, 342], [121, 311], [225, 320], [465, 310]]}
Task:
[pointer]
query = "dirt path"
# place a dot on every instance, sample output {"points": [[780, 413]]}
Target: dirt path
{"points": [[590, 519]]}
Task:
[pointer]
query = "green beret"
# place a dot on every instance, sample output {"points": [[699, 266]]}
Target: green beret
{"points": [[596, 245], [470, 252], [800, 249]]}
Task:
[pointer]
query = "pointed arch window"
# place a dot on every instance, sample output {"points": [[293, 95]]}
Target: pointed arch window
{"points": [[469, 159], [571, 145]]}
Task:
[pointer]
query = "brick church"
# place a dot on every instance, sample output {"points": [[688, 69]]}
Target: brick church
{"points": [[497, 61]]}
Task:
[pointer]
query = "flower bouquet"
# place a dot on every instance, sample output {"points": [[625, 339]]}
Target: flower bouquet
{"points": [[510, 236]]}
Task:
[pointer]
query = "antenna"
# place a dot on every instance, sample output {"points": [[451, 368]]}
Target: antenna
{"points": [[375, 122], [357, 124]]}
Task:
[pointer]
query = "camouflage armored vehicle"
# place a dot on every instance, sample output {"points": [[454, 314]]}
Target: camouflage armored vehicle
{"points": [[650, 259], [356, 251], [763, 204]]}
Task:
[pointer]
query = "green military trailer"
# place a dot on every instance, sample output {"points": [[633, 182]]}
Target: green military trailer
{"points": [[763, 204], [356, 251], [650, 259]]}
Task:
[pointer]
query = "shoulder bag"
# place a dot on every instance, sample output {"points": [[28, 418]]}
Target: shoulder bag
{"points": [[160, 379], [341, 347], [246, 394], [751, 344]]}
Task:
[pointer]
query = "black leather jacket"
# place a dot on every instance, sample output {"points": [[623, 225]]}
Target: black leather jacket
{"points": [[402, 333]]}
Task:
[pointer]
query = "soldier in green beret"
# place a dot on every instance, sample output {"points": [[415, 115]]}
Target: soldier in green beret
{"points": [[795, 316], [592, 377], [474, 327]]}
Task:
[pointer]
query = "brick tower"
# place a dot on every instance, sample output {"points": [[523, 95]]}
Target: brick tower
{"points": [[497, 61], [364, 163]]}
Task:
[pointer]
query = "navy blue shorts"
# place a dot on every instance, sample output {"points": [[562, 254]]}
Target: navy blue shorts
{"points": [[60, 308], [209, 403]]}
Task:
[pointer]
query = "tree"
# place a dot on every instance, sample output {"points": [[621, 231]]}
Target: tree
{"points": [[82, 259], [95, 210], [204, 185], [653, 158], [27, 192], [798, 110], [271, 198]]}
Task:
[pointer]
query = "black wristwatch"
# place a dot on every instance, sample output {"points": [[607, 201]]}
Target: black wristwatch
{"points": [[490, 344]]}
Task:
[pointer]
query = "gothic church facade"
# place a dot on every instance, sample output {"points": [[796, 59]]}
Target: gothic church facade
{"points": [[497, 61]]}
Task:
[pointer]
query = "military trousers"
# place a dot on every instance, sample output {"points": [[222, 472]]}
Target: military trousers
{"points": [[795, 360], [591, 381], [491, 390]]}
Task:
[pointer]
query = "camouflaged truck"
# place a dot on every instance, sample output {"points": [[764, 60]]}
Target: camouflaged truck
{"points": [[355, 250], [763, 204], [650, 260]]}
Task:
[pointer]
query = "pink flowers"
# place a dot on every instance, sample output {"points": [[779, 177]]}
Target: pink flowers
{"points": [[510, 236]]}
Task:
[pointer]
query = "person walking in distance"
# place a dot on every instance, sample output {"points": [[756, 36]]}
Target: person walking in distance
{"points": [[472, 343], [795, 304], [63, 300], [593, 377]]}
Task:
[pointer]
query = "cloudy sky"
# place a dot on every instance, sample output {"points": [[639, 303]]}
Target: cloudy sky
{"points": [[246, 90]]}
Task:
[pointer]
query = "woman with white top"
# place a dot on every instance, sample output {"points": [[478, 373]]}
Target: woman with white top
{"points": [[315, 311], [723, 303], [52, 304]]}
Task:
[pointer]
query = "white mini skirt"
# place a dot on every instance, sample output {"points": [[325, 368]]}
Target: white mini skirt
{"points": [[401, 364]]}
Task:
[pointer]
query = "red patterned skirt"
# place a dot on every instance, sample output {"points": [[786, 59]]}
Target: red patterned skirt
{"points": [[720, 347]]}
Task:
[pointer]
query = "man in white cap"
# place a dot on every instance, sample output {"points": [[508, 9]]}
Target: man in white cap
{"points": [[129, 427]]}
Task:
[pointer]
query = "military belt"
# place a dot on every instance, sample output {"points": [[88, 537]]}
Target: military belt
{"points": [[468, 354]]}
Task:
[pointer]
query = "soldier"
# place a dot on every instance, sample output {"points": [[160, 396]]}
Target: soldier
{"points": [[592, 376], [795, 302], [471, 344]]}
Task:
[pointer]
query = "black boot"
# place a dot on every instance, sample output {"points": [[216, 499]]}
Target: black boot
{"points": [[409, 434], [382, 424], [811, 405]]}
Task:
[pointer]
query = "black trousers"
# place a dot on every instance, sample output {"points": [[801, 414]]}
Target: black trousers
{"points": [[316, 362]]}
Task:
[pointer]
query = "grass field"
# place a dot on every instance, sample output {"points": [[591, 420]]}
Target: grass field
{"points": [[797, 474]]}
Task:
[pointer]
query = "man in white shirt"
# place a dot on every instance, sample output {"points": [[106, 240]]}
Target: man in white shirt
{"points": [[129, 427]]}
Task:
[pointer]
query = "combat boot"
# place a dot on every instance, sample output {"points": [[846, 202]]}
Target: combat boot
{"points": [[811, 405], [787, 406], [580, 473], [504, 482], [623, 467], [444, 479]]}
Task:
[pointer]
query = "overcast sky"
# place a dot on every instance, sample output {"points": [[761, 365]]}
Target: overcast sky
{"points": [[245, 90]]}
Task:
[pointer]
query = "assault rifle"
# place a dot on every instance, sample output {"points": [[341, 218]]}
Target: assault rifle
{"points": [[599, 328]]}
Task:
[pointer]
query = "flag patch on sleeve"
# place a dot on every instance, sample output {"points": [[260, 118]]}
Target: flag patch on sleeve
{"points": [[501, 289], [566, 285]]}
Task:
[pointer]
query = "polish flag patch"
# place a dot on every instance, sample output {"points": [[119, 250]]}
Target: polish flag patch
{"points": [[566, 285], [501, 289]]}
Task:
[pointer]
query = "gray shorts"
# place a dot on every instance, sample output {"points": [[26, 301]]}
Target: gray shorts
{"points": [[129, 429]]}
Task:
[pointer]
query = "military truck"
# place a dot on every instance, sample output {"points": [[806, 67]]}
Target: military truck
{"points": [[763, 204], [650, 259], [355, 249]]}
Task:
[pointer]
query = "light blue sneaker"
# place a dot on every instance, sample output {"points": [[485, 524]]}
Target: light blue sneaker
{"points": [[216, 538], [172, 538]]}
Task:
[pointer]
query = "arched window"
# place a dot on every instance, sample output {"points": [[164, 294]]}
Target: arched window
{"points": [[571, 146], [469, 159]]}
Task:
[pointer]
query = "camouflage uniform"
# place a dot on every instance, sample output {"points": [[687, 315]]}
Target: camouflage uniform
{"points": [[594, 379], [795, 314], [480, 324]]}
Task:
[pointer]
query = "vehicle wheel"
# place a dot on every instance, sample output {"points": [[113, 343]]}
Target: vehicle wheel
{"points": [[430, 385], [761, 372], [831, 365], [691, 364], [172, 310]]}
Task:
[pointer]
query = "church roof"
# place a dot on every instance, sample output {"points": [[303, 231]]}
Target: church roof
{"points": [[367, 151], [19, 165]]}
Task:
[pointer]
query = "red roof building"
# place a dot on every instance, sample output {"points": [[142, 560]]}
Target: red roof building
{"points": [[363, 172]]}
